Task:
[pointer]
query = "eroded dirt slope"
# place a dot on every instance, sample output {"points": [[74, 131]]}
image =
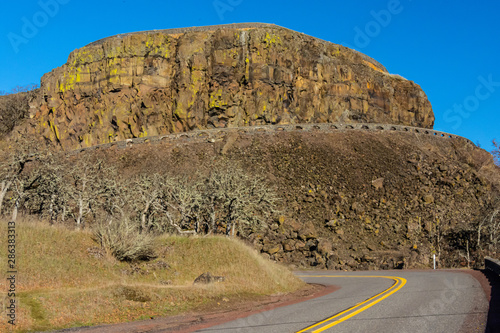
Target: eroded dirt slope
{"points": [[351, 200]]}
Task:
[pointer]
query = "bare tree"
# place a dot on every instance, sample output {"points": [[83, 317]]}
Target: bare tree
{"points": [[227, 199], [181, 202], [493, 229], [12, 165], [14, 107], [9, 171], [113, 200], [488, 229], [21, 189], [47, 198], [89, 183], [145, 197], [496, 152], [494, 225], [22, 89], [235, 200]]}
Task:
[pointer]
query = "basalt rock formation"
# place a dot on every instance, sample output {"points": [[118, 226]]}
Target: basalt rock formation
{"points": [[165, 81]]}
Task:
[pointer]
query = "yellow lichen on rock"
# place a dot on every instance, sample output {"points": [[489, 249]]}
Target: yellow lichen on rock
{"points": [[272, 39], [216, 100]]}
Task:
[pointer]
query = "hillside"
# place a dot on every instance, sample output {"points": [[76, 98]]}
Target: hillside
{"points": [[65, 280], [350, 199]]}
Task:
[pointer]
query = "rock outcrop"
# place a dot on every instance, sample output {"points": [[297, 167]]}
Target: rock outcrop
{"points": [[165, 81]]}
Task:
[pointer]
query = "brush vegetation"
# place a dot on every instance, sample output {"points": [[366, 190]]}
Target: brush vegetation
{"points": [[85, 191], [14, 107], [66, 280]]}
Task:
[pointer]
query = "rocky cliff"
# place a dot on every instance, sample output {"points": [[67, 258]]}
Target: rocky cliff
{"points": [[165, 81]]}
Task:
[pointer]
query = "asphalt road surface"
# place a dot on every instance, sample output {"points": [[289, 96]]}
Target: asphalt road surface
{"points": [[378, 301]]}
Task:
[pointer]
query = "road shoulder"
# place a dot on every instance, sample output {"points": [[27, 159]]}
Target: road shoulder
{"points": [[477, 322], [207, 318]]}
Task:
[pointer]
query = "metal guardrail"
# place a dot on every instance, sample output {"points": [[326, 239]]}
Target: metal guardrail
{"points": [[216, 134], [492, 265]]}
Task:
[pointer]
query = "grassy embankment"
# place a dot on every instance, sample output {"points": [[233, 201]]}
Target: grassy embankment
{"points": [[61, 285]]}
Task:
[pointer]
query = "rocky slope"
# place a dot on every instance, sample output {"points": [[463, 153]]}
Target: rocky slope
{"points": [[158, 82], [356, 199]]}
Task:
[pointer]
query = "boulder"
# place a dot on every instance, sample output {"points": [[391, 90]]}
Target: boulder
{"points": [[308, 231], [207, 277], [271, 248], [288, 245], [428, 199], [324, 246], [292, 224], [378, 183]]}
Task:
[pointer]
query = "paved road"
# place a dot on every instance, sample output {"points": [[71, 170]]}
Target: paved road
{"points": [[391, 301]]}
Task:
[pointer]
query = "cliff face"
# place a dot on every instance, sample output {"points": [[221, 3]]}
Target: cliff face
{"points": [[158, 82]]}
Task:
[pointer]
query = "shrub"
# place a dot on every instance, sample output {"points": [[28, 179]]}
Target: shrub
{"points": [[14, 107], [123, 240]]}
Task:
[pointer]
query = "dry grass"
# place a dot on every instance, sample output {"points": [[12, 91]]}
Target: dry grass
{"points": [[60, 285], [228, 257]]}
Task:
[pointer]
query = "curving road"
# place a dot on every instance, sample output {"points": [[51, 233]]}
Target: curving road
{"points": [[378, 301]]}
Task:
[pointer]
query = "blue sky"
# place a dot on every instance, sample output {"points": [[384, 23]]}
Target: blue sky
{"points": [[450, 48]]}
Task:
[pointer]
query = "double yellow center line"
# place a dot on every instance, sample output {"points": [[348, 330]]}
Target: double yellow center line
{"points": [[323, 325]]}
